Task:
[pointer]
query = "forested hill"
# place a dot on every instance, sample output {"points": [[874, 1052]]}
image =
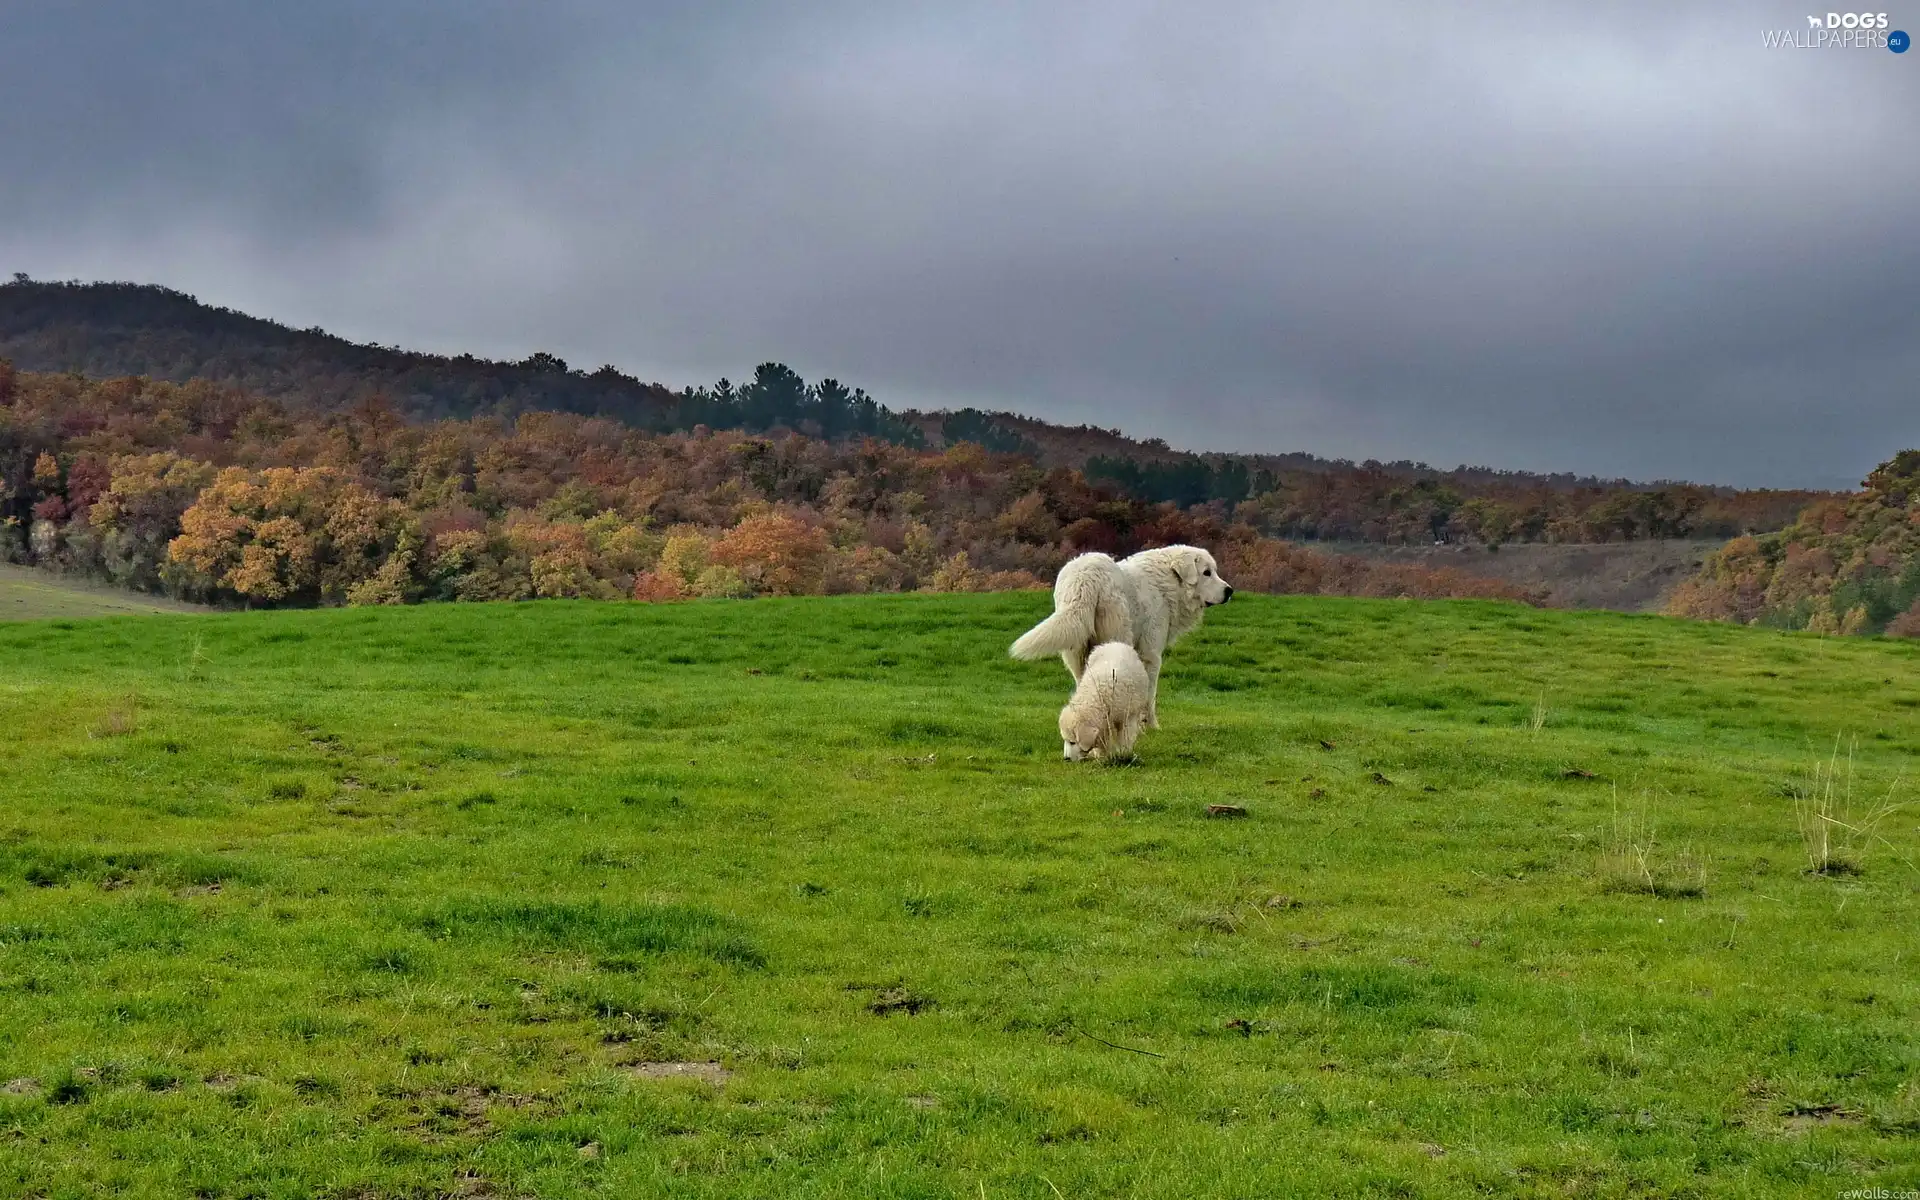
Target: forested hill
{"points": [[111, 330], [108, 330], [1848, 565]]}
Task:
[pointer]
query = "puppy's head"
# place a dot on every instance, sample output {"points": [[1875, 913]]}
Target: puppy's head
{"points": [[1198, 572], [1082, 734]]}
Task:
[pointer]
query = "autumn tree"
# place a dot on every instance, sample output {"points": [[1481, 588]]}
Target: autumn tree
{"points": [[139, 514], [775, 553], [288, 534]]}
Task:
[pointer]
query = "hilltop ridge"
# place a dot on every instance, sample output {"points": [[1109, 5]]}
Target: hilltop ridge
{"points": [[116, 330], [108, 330]]}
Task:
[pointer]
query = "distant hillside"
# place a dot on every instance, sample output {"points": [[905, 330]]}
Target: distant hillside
{"points": [[110, 330], [1848, 565], [107, 330], [1636, 576]]}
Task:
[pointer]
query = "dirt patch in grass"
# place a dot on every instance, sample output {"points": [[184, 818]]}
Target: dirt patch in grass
{"points": [[705, 1072], [1801, 1118]]}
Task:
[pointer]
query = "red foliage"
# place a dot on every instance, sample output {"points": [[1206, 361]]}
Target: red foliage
{"points": [[1907, 624], [1091, 533], [658, 587], [87, 480]]}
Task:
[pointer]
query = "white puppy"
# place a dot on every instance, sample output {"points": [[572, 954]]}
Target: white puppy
{"points": [[1110, 705], [1146, 600]]}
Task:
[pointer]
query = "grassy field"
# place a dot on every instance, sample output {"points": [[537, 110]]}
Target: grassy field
{"points": [[795, 898], [29, 595]]}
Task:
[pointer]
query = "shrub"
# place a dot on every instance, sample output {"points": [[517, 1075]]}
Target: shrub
{"points": [[721, 583], [1907, 624], [658, 587], [864, 568], [560, 560], [954, 575], [467, 565], [684, 556]]}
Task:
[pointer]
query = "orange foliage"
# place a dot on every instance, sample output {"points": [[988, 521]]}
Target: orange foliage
{"points": [[659, 587], [210, 492], [776, 554], [287, 533], [1730, 586], [1847, 566]]}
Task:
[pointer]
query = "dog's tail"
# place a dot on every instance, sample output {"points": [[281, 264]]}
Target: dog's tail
{"points": [[1067, 629]]}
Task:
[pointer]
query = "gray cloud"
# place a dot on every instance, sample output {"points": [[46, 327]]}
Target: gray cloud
{"points": [[1621, 239]]}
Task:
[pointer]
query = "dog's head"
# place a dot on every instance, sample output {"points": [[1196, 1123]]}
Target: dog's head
{"points": [[1082, 735], [1201, 576]]}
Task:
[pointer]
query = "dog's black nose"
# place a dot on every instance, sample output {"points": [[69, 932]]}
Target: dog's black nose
{"points": [[1229, 594]]}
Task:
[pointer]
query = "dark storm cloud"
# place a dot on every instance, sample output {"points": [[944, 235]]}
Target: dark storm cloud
{"points": [[1621, 239]]}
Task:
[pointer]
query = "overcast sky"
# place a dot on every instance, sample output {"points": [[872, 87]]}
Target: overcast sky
{"points": [[1614, 238]]}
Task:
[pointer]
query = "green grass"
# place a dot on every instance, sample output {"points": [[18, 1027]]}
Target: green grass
{"points": [[418, 902], [30, 595]]}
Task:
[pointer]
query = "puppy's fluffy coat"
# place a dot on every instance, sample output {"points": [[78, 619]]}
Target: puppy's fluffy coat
{"points": [[1146, 601], [1109, 708]]}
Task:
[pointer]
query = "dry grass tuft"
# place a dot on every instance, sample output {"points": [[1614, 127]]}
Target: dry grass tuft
{"points": [[1636, 862], [1834, 830]]}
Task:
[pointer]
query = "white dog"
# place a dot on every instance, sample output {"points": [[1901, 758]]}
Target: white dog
{"points": [[1109, 707], [1146, 601]]}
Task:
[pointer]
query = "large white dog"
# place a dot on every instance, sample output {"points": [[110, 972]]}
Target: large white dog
{"points": [[1146, 600], [1109, 707]]}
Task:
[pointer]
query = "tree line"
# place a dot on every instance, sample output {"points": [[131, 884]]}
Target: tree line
{"points": [[209, 492], [1412, 503]]}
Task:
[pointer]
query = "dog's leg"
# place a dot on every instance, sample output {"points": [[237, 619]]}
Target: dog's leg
{"points": [[1153, 690], [1076, 660]]}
